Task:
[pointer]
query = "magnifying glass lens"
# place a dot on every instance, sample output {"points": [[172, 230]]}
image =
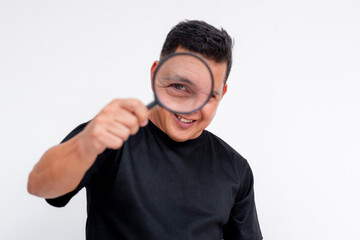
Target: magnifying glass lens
{"points": [[183, 83]]}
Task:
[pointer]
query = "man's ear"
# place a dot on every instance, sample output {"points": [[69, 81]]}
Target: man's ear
{"points": [[152, 71], [224, 90]]}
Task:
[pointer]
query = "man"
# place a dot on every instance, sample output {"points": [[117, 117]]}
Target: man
{"points": [[166, 178]]}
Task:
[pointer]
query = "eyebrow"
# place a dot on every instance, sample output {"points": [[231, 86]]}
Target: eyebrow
{"points": [[180, 79], [185, 80]]}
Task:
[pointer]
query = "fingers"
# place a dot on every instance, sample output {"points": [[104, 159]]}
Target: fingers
{"points": [[114, 124], [128, 119], [138, 109]]}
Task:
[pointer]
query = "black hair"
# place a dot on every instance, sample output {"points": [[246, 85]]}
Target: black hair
{"points": [[200, 37]]}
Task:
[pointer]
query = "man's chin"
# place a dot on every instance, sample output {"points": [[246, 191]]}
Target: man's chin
{"points": [[182, 136], [178, 136]]}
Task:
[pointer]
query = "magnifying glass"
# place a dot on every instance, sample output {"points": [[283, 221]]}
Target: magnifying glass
{"points": [[182, 83]]}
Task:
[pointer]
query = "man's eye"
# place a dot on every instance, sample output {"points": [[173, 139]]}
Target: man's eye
{"points": [[178, 86]]}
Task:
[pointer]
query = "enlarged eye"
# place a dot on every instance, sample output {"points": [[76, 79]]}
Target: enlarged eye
{"points": [[178, 86], [179, 90]]}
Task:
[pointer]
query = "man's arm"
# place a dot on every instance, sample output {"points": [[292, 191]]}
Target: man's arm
{"points": [[243, 222], [62, 167]]}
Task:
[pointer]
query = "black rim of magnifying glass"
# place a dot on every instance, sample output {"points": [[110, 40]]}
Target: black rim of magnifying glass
{"points": [[157, 101]]}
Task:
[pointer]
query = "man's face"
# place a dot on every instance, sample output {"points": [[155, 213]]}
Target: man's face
{"points": [[190, 126]]}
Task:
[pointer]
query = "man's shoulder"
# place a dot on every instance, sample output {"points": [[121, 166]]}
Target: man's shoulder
{"points": [[224, 148]]}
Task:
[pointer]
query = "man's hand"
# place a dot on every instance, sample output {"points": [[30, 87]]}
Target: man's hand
{"points": [[113, 125]]}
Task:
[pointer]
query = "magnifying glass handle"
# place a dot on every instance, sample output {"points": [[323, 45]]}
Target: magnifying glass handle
{"points": [[151, 105]]}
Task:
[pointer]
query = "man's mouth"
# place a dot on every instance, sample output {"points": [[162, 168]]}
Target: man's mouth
{"points": [[184, 120]]}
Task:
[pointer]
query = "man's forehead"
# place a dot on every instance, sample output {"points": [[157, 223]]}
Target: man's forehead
{"points": [[218, 70]]}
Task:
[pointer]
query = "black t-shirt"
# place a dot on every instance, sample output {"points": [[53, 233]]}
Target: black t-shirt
{"points": [[157, 188]]}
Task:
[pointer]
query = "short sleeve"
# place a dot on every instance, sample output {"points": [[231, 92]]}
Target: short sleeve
{"points": [[61, 201], [243, 222]]}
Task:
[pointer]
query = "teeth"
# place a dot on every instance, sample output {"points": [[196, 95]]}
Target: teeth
{"points": [[184, 120]]}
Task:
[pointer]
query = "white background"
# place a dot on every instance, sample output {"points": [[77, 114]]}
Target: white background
{"points": [[292, 108]]}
